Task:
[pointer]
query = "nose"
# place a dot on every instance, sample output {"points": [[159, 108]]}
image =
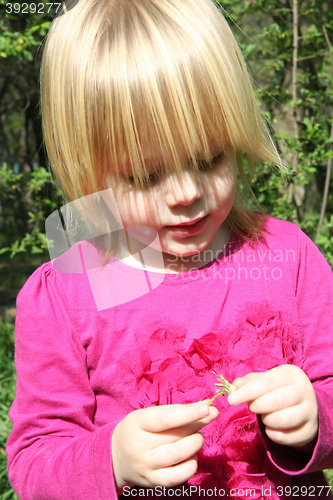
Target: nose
{"points": [[183, 188]]}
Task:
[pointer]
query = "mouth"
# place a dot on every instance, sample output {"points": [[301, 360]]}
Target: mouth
{"points": [[191, 222], [189, 228]]}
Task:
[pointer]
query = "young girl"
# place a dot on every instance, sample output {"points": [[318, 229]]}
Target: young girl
{"points": [[149, 103]]}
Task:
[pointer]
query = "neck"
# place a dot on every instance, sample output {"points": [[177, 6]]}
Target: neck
{"points": [[183, 263]]}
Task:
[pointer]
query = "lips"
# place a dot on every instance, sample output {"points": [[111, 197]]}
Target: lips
{"points": [[190, 223], [189, 228]]}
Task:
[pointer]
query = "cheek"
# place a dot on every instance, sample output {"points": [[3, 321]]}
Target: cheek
{"points": [[232, 184], [230, 175], [230, 180], [223, 186], [136, 208]]}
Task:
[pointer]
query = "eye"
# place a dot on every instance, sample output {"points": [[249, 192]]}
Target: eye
{"points": [[207, 165], [148, 180], [153, 177]]}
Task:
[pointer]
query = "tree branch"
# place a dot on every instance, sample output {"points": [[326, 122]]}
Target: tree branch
{"points": [[329, 162], [294, 68]]}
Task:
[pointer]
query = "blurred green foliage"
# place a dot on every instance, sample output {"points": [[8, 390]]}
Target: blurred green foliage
{"points": [[38, 190], [28, 194], [7, 392]]}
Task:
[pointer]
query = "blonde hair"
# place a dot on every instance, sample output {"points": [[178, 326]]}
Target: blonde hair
{"points": [[118, 75]]}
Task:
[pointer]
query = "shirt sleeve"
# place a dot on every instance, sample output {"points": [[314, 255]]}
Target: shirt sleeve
{"points": [[312, 280], [54, 450]]}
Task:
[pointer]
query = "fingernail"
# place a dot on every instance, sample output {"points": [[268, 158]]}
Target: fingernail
{"points": [[214, 412], [204, 411], [233, 399]]}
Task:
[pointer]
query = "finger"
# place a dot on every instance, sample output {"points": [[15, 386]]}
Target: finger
{"points": [[240, 381], [171, 454], [287, 419], [276, 400], [213, 414], [177, 433], [177, 474], [299, 436], [162, 418], [259, 385]]}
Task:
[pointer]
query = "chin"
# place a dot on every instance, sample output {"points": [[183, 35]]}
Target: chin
{"points": [[187, 252]]}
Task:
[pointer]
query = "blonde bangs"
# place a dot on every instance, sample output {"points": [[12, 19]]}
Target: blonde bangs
{"points": [[183, 86], [123, 78], [163, 75]]}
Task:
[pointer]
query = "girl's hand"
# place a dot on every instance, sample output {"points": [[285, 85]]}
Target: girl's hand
{"points": [[157, 446], [286, 401]]}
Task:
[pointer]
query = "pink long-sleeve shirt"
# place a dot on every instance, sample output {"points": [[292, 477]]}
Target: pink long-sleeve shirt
{"points": [[86, 358]]}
